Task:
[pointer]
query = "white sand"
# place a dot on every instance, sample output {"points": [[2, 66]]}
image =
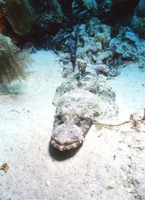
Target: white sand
{"points": [[111, 163]]}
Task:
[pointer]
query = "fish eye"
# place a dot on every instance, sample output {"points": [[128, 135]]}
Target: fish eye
{"points": [[77, 121]]}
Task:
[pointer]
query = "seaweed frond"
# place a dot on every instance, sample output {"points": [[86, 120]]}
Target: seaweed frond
{"points": [[139, 27], [13, 62]]}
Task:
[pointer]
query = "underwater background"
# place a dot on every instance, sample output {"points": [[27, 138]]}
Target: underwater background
{"points": [[110, 33], [58, 57]]}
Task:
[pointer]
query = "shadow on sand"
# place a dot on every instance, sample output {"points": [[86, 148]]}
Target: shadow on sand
{"points": [[62, 155]]}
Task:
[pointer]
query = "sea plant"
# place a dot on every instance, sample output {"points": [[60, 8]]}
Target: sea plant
{"points": [[13, 62], [19, 14], [90, 4], [139, 27], [55, 11]]}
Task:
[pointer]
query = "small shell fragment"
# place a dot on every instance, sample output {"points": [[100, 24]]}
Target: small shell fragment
{"points": [[47, 183], [4, 167]]}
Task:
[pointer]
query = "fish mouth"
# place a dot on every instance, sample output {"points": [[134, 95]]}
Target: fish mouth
{"points": [[65, 146]]}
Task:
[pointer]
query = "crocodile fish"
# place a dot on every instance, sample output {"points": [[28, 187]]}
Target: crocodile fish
{"points": [[78, 103]]}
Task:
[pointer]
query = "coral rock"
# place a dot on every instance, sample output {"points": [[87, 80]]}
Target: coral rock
{"points": [[102, 68], [19, 14]]}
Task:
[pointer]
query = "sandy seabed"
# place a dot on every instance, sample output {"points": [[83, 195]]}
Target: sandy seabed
{"points": [[109, 166]]}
